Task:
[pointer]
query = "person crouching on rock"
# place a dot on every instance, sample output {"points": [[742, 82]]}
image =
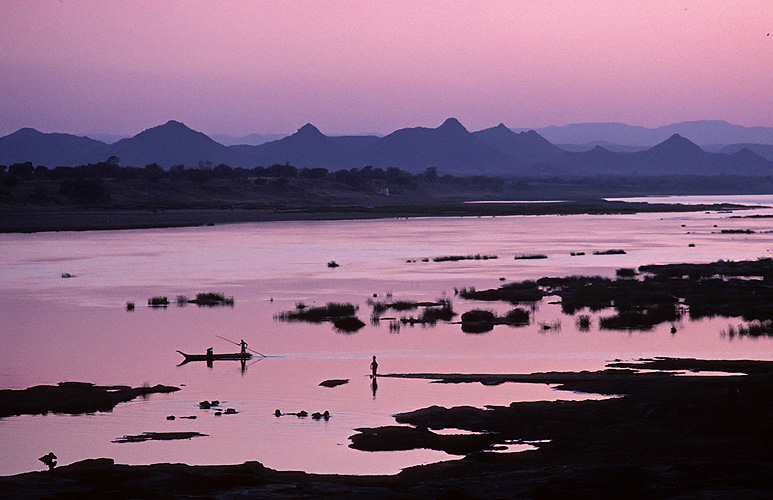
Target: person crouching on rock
{"points": [[49, 460]]}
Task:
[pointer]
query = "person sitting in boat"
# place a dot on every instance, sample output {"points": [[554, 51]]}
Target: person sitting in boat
{"points": [[243, 344]]}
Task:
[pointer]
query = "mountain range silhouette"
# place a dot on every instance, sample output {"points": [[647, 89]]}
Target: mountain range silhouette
{"points": [[451, 148]]}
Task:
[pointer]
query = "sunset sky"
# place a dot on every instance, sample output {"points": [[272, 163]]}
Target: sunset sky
{"points": [[237, 67]]}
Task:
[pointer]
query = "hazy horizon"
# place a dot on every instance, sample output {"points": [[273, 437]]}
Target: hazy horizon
{"points": [[235, 69]]}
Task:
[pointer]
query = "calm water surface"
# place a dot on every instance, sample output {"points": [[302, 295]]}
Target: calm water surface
{"points": [[56, 329]]}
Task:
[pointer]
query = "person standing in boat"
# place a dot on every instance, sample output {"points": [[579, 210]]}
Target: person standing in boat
{"points": [[373, 367], [243, 344]]}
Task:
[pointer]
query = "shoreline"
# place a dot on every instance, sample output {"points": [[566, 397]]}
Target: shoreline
{"points": [[666, 434], [94, 219]]}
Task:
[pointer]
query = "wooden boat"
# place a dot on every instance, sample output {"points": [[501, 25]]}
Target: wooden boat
{"points": [[236, 356]]}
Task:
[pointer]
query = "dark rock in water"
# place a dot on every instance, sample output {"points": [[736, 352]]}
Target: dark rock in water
{"points": [[170, 417], [190, 417], [316, 415], [335, 382], [215, 402], [157, 436], [218, 413], [205, 405], [303, 413], [478, 321], [70, 397], [349, 324], [478, 315], [277, 413], [230, 411]]}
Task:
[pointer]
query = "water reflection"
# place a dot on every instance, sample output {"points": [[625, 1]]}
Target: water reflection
{"points": [[58, 329]]}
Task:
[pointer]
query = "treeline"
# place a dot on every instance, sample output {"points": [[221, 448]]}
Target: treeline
{"points": [[110, 169], [88, 183], [93, 183], [205, 171]]}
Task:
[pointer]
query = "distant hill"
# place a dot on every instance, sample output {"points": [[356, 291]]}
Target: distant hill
{"points": [[171, 144], [106, 138], [28, 144], [700, 132], [249, 139], [764, 150], [451, 148], [526, 148], [610, 146], [308, 148], [674, 156]]}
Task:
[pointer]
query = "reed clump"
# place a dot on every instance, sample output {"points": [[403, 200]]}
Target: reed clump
{"points": [[212, 299], [453, 258], [328, 312], [159, 301]]}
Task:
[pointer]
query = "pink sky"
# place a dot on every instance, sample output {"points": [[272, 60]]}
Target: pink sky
{"points": [[118, 66]]}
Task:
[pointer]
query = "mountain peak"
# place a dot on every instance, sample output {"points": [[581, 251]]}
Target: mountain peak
{"points": [[174, 123], [452, 124], [309, 130], [677, 146], [27, 132], [677, 141]]}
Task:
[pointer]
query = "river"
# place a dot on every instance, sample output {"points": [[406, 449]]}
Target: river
{"points": [[79, 329]]}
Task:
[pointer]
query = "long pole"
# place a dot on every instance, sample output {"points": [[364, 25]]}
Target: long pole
{"points": [[238, 343]]}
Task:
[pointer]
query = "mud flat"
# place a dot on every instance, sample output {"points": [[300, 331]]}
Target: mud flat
{"points": [[15, 220], [669, 432]]}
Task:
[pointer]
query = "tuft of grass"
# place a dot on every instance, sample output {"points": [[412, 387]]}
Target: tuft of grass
{"points": [[583, 322], [158, 301], [328, 312], [751, 329], [518, 316], [212, 299], [531, 256], [453, 258]]}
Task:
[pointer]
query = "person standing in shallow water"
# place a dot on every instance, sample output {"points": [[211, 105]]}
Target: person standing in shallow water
{"points": [[373, 367]]}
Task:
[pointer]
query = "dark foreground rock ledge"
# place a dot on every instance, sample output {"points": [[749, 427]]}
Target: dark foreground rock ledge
{"points": [[666, 436]]}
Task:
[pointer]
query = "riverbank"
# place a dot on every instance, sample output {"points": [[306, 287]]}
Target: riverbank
{"points": [[675, 429], [83, 219]]}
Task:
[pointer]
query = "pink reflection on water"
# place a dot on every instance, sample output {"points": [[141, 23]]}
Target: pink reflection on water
{"points": [[58, 329]]}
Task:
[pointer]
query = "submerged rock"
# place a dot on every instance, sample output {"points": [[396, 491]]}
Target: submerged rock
{"points": [[335, 382]]}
